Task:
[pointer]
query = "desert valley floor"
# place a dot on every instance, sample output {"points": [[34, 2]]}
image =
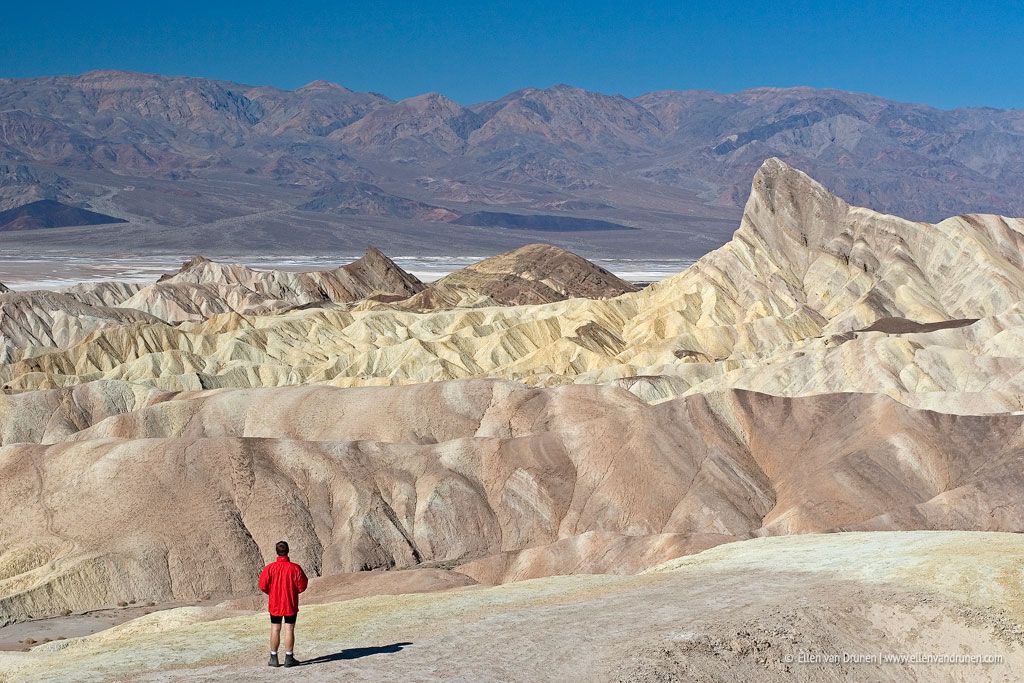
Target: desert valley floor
{"points": [[801, 457]]}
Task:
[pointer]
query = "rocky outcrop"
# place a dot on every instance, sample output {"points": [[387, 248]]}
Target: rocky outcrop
{"points": [[800, 250]]}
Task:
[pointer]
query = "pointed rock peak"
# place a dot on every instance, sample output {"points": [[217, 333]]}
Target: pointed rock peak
{"points": [[778, 188], [186, 266], [774, 170], [790, 211], [376, 267], [376, 259], [431, 99], [195, 261], [375, 254]]}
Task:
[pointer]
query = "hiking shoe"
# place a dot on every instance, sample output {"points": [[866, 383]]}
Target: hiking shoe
{"points": [[289, 660], [273, 661]]}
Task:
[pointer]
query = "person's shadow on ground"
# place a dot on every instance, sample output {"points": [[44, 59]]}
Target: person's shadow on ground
{"points": [[356, 653]]}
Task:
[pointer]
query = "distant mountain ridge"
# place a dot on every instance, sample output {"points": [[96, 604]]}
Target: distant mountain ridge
{"points": [[660, 159]]}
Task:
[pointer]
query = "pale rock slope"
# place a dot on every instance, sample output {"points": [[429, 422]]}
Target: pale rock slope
{"points": [[52, 415], [34, 322], [804, 263], [103, 293]]}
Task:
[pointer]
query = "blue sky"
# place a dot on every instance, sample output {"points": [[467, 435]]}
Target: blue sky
{"points": [[945, 54]]}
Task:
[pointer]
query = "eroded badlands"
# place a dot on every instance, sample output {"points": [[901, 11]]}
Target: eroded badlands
{"points": [[534, 417]]}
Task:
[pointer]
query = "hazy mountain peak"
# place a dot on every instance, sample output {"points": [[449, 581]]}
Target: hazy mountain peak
{"points": [[430, 99], [322, 85], [566, 88]]}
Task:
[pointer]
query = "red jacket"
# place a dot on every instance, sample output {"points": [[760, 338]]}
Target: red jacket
{"points": [[283, 580]]}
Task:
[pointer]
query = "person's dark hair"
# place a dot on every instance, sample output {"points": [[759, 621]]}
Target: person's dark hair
{"points": [[281, 548]]}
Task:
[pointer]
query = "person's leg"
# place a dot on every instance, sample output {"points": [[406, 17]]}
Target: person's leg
{"points": [[289, 627], [275, 637], [289, 637], [275, 640]]}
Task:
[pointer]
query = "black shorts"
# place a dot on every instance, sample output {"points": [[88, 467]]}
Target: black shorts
{"points": [[287, 620]]}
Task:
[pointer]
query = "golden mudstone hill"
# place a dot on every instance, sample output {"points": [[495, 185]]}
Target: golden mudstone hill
{"points": [[534, 274]]}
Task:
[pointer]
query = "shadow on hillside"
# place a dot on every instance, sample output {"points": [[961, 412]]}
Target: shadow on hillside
{"points": [[356, 653]]}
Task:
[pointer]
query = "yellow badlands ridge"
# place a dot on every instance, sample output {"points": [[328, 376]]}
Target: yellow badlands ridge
{"points": [[787, 307]]}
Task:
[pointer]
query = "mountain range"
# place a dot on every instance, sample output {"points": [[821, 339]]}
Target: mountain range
{"points": [[226, 167]]}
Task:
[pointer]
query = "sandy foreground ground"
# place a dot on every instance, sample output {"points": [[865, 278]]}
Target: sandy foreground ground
{"points": [[812, 607]]}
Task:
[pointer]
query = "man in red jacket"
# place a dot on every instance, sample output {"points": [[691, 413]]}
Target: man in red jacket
{"points": [[283, 580]]}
